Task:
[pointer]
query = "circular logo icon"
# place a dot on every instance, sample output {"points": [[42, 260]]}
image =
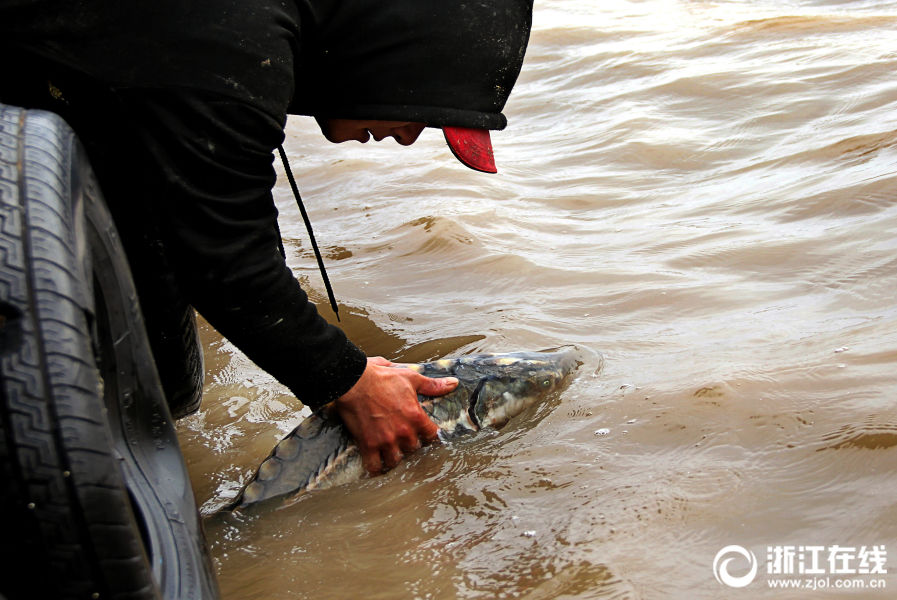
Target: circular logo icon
{"points": [[721, 566]]}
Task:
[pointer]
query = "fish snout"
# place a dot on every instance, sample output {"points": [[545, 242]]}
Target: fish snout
{"points": [[570, 359]]}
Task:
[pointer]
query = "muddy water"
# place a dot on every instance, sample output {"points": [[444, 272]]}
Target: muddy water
{"points": [[703, 192]]}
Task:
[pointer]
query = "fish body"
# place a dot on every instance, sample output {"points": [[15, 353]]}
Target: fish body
{"points": [[492, 389]]}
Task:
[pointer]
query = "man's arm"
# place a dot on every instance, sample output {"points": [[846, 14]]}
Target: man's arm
{"points": [[205, 193], [209, 191]]}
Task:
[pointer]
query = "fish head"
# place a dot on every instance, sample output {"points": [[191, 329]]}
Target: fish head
{"points": [[513, 382]]}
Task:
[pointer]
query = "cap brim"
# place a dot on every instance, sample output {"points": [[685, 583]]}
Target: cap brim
{"points": [[473, 147]]}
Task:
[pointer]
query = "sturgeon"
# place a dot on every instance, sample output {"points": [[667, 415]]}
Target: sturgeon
{"points": [[492, 389]]}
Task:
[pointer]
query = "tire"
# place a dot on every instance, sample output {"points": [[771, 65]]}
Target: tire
{"points": [[96, 499]]}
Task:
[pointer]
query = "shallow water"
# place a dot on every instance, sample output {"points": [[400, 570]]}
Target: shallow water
{"points": [[705, 193]]}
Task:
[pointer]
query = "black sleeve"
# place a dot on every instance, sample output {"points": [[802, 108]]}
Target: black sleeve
{"points": [[208, 163]]}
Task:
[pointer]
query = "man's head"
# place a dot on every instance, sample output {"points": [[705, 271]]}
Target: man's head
{"points": [[360, 130], [449, 64]]}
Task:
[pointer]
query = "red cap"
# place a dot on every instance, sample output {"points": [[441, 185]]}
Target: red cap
{"points": [[473, 147]]}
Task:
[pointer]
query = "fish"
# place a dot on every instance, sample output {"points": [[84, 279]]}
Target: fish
{"points": [[492, 389]]}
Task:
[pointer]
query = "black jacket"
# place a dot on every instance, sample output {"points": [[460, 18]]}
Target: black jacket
{"points": [[181, 103]]}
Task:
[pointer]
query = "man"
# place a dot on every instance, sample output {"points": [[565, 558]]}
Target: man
{"points": [[180, 105]]}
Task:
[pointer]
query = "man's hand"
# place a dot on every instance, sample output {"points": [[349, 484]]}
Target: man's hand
{"points": [[382, 413]]}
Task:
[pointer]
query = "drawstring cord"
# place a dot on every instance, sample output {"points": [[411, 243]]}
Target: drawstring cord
{"points": [[311, 234]]}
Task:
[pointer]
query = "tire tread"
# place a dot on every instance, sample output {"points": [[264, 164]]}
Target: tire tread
{"points": [[56, 453]]}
